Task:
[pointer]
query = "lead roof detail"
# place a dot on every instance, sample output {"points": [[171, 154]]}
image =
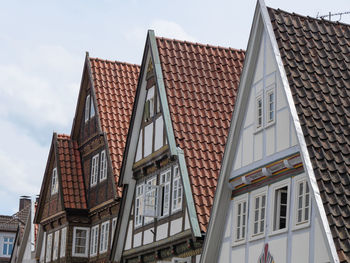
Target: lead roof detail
{"points": [[201, 83], [316, 58], [115, 87]]}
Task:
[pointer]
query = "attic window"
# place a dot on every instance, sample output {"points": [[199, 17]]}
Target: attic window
{"points": [[259, 112], [87, 108], [54, 182], [149, 104]]}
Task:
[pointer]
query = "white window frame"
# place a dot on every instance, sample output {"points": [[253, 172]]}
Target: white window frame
{"points": [[138, 218], [103, 166], [270, 90], [94, 240], [150, 205], [87, 108], [54, 182], [10, 244], [276, 208], [55, 245], [114, 225], [85, 254], [304, 223], [165, 186], [94, 169], [48, 248], [240, 200], [258, 98], [104, 237], [261, 214], [63, 242], [177, 191]]}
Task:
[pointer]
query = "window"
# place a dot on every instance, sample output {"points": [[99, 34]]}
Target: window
{"points": [[177, 191], [302, 213], [8, 246], [94, 241], [149, 104], [270, 103], [138, 205], [258, 213], [54, 182], [165, 180], [63, 242], [150, 208], [48, 247], [94, 169], [87, 108], [114, 224], [55, 245], [92, 108], [80, 242], [103, 166], [259, 112], [240, 218], [280, 207], [104, 237]]}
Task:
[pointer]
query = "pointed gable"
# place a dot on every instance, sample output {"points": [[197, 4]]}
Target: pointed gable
{"points": [[69, 165], [115, 86], [201, 83], [316, 57]]}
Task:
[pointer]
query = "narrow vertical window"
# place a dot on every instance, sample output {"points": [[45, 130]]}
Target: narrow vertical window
{"points": [[240, 219], [54, 182], [280, 208], [103, 166], [151, 200], [94, 169], [165, 192], [259, 112], [63, 242], [114, 224], [259, 204], [104, 237], [94, 241], [177, 191], [92, 108], [270, 96], [138, 205], [48, 247], [87, 108], [303, 202], [55, 245]]}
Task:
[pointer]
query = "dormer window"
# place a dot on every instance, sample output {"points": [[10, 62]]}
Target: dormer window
{"points": [[89, 108], [54, 182]]}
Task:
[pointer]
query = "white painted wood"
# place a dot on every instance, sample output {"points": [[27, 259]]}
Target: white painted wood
{"points": [[148, 236], [162, 231], [249, 117], [198, 258], [158, 138], [270, 140], [225, 251], [237, 254], [278, 248], [175, 226], [247, 156], [139, 148], [137, 239], [294, 140], [270, 61], [238, 159], [228, 226], [321, 251], [300, 246], [129, 236], [282, 130], [187, 221], [259, 70], [258, 146], [148, 139], [281, 101], [255, 249]]}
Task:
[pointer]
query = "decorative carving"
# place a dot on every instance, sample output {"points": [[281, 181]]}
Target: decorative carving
{"points": [[266, 256]]}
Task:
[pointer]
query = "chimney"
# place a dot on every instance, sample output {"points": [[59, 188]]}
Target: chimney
{"points": [[24, 201]]}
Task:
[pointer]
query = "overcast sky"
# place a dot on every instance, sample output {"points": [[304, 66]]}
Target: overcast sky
{"points": [[42, 50]]}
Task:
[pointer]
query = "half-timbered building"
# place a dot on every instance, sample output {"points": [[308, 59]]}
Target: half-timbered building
{"points": [[184, 102], [283, 192], [79, 197]]}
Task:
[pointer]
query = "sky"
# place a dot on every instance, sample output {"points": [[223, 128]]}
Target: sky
{"points": [[42, 52]]}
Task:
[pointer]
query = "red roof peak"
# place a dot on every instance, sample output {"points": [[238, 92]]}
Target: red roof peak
{"points": [[114, 62], [63, 136]]}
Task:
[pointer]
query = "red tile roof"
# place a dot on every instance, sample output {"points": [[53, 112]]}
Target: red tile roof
{"points": [[201, 84], [316, 58], [115, 87], [69, 163]]}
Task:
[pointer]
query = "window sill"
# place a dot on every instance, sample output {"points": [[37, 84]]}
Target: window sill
{"points": [[280, 231], [238, 243], [257, 236], [301, 226]]}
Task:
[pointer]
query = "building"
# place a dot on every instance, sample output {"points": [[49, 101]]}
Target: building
{"points": [[283, 192], [79, 197], [12, 228], [184, 102]]}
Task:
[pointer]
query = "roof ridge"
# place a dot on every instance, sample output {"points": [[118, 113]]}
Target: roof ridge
{"points": [[62, 136], [115, 61], [199, 44], [309, 17]]}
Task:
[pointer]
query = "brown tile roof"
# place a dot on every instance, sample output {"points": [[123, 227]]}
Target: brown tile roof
{"points": [[71, 173], [201, 84], [115, 88], [316, 57]]}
